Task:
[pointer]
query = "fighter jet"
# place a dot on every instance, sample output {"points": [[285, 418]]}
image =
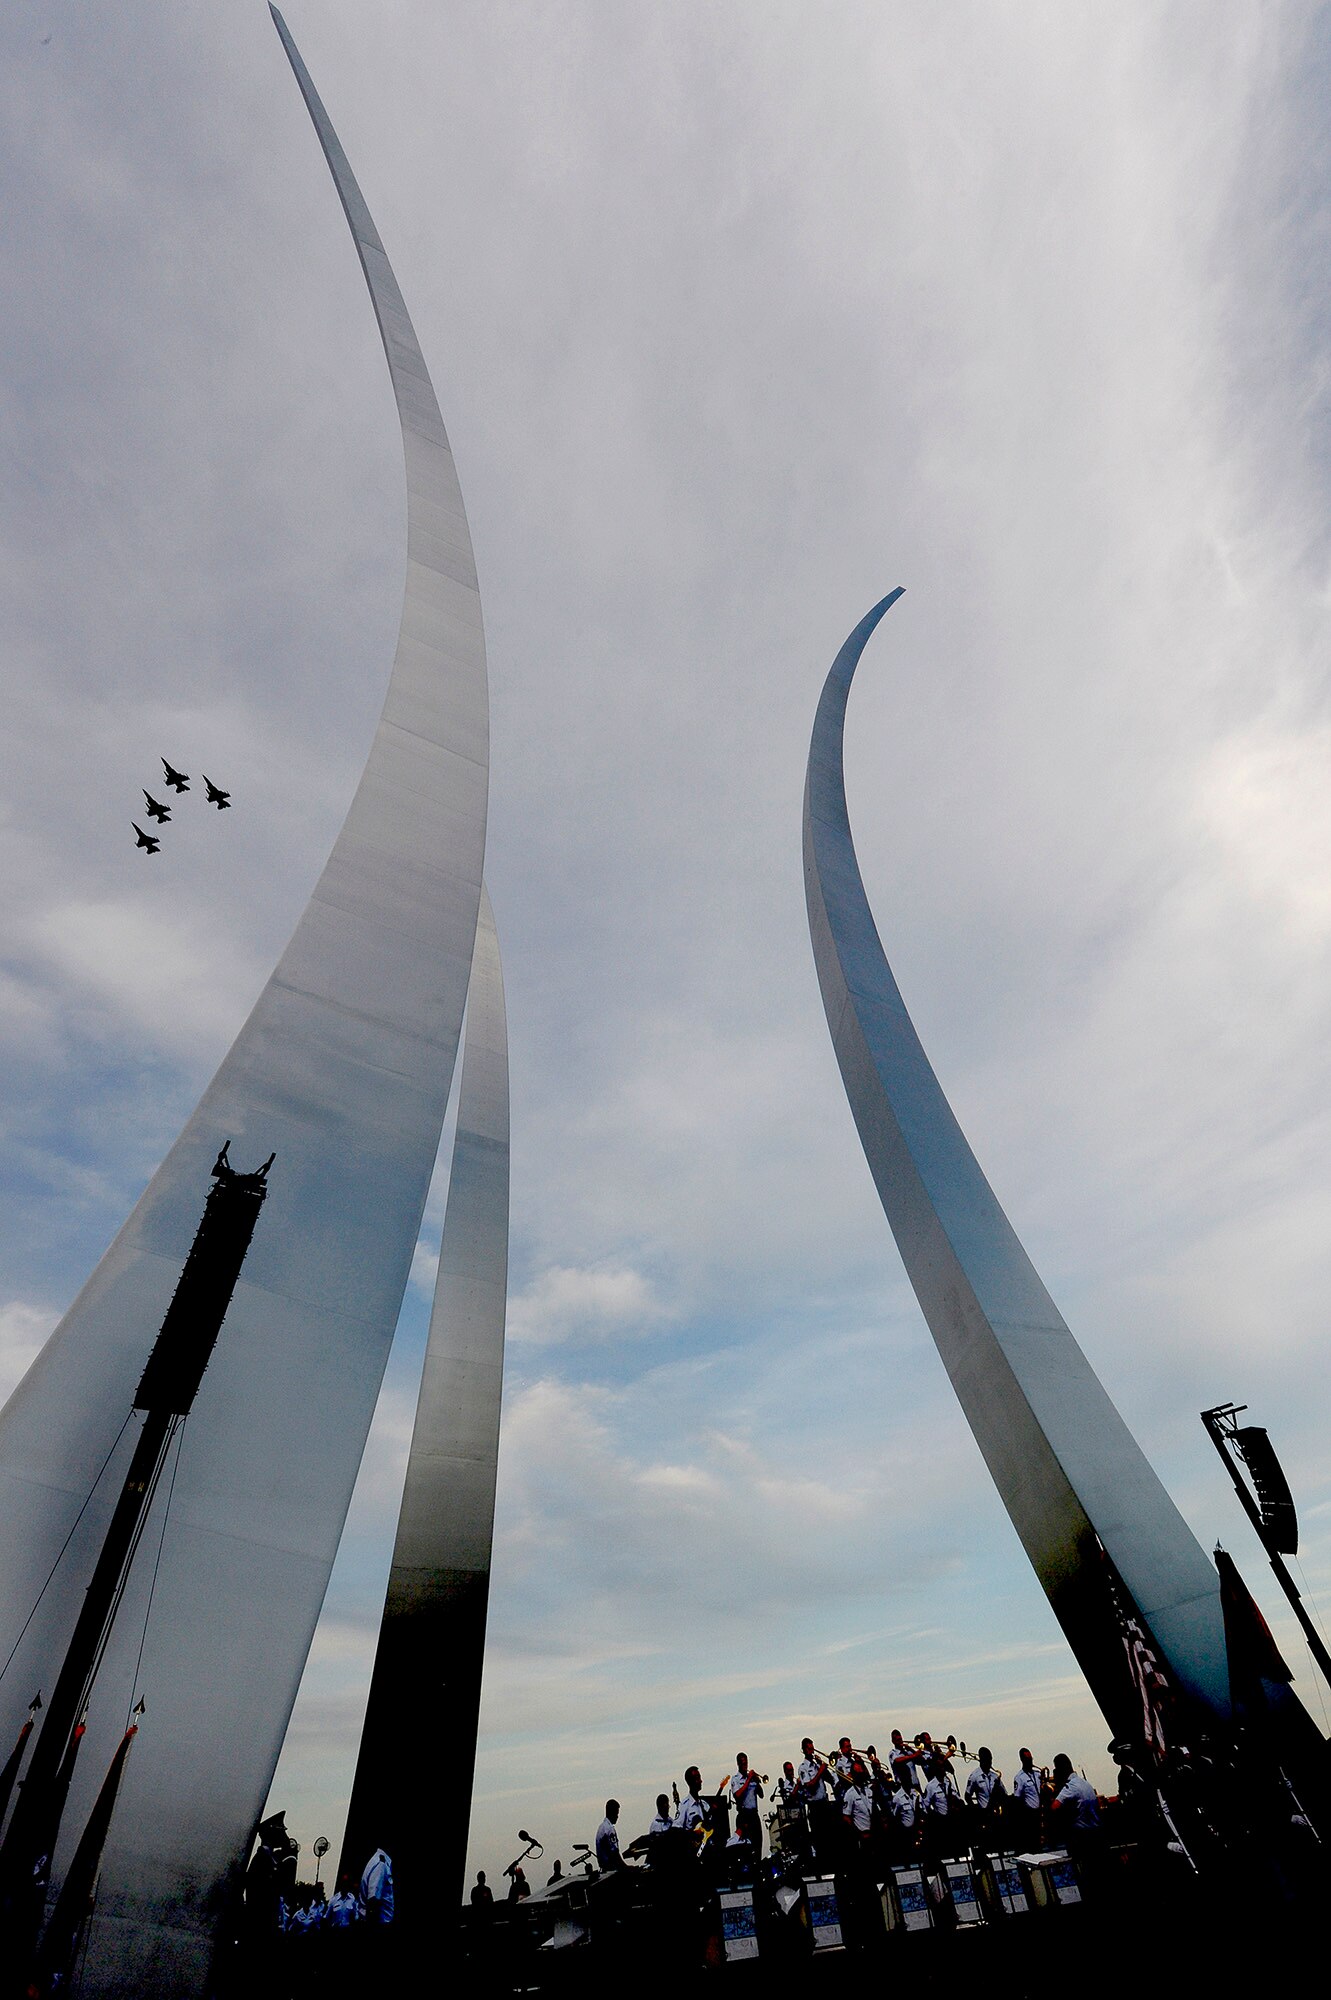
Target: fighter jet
{"points": [[145, 839], [220, 799], [178, 779], [160, 813]]}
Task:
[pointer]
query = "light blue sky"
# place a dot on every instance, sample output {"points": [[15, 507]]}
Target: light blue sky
{"points": [[738, 316]]}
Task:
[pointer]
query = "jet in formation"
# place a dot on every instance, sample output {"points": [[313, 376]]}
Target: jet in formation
{"points": [[177, 781]]}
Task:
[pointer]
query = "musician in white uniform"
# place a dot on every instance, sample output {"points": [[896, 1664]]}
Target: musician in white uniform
{"points": [[985, 1794], [942, 1812], [1026, 1815], [695, 1814], [811, 1777], [857, 1806], [608, 1857], [745, 1792]]}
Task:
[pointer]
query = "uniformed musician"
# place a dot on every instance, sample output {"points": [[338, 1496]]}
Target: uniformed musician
{"points": [[745, 1791], [811, 1780], [695, 1813], [942, 1812], [985, 1793], [904, 1762], [1025, 1811]]}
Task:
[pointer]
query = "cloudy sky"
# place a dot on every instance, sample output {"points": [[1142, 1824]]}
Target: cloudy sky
{"points": [[739, 315]]}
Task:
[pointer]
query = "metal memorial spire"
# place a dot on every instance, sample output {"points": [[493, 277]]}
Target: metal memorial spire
{"points": [[1081, 1495], [344, 1068], [412, 1790]]}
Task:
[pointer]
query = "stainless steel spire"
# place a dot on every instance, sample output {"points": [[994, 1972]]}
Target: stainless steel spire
{"points": [[412, 1792], [1069, 1471], [343, 1069]]}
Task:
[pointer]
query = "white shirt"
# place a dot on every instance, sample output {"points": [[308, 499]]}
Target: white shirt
{"points": [[661, 1824], [901, 1804], [692, 1812], [938, 1797], [1078, 1806], [377, 1884], [1026, 1788], [812, 1781], [343, 1909], [904, 1768], [983, 1787], [842, 1768], [607, 1846], [746, 1792], [857, 1808]]}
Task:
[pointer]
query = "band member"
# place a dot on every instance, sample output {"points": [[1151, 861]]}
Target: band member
{"points": [[904, 1813], [665, 1819], [811, 1775], [1025, 1812], [787, 1789], [904, 1763], [942, 1812], [745, 1791], [811, 1779], [842, 1766], [608, 1857], [857, 1809], [1075, 1811], [695, 1812], [985, 1793]]}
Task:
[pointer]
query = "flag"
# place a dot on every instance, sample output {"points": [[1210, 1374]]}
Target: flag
{"points": [[12, 1767], [1150, 1683], [73, 1906], [1254, 1656]]}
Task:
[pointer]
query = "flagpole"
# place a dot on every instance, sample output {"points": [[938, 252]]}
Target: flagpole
{"points": [[164, 1397]]}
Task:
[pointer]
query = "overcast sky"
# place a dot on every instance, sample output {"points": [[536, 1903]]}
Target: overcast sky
{"points": [[738, 315]]}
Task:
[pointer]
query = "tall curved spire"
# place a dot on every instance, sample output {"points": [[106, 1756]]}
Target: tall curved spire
{"points": [[343, 1069], [1068, 1470], [418, 1746]]}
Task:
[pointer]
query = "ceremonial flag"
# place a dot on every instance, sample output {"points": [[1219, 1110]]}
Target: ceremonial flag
{"points": [[74, 1903], [1254, 1656], [1150, 1683], [11, 1770]]}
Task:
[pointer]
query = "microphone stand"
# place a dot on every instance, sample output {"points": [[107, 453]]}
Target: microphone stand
{"points": [[532, 1847]]}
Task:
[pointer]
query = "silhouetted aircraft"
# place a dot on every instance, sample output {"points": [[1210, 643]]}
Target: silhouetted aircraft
{"points": [[216, 798], [160, 813], [145, 839], [179, 779]]}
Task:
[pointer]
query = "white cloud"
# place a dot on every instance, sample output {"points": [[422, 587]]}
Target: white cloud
{"points": [[566, 1303]]}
